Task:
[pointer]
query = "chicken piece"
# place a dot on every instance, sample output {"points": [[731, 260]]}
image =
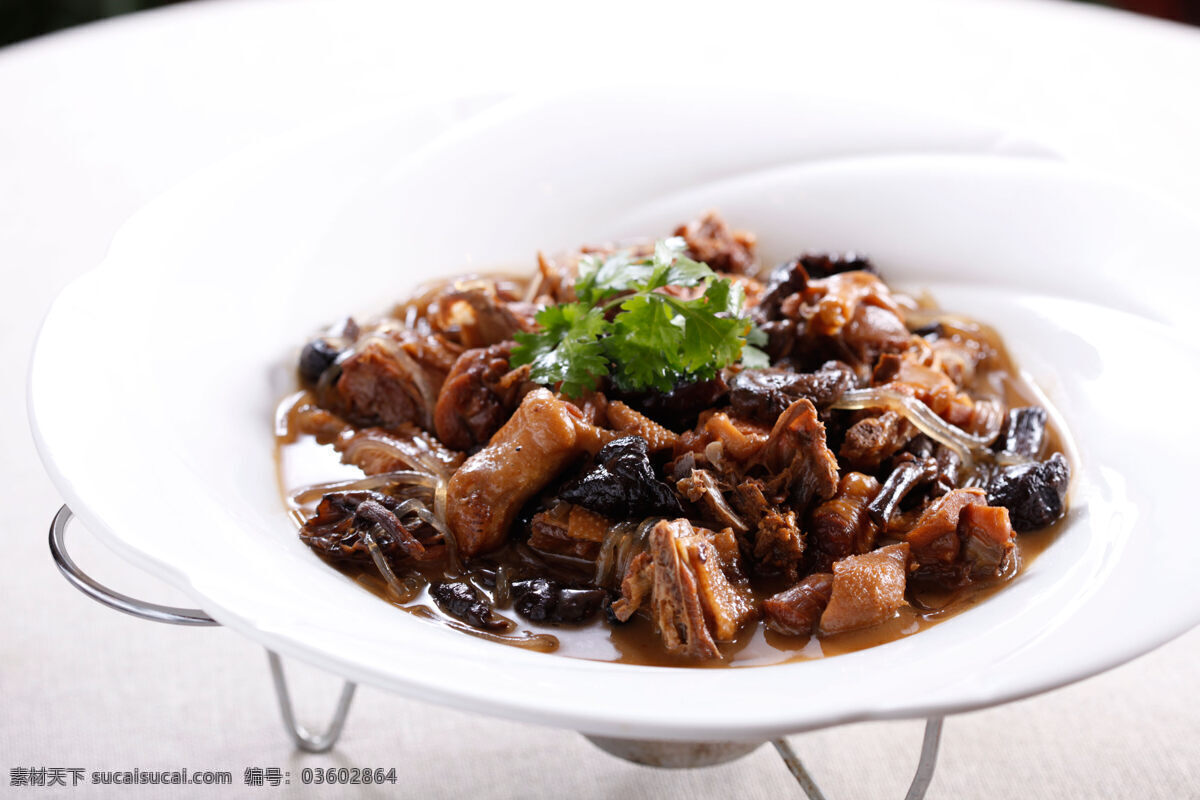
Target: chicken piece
{"points": [[987, 540], [635, 586], [675, 598], [380, 385], [701, 487], [478, 395], [873, 331], [842, 526], [542, 437], [935, 389], [796, 611], [720, 438], [959, 357], [779, 544], [801, 466], [829, 304], [867, 590], [625, 420], [710, 240], [569, 530], [872, 440], [685, 575], [934, 538], [473, 313], [391, 377], [725, 605], [749, 500]]}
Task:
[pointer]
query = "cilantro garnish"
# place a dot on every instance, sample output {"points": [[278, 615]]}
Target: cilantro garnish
{"points": [[655, 339]]}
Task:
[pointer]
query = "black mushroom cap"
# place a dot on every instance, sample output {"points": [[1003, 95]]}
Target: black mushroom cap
{"points": [[316, 357], [1024, 431], [622, 484], [1034, 494], [763, 394], [545, 600], [460, 600]]}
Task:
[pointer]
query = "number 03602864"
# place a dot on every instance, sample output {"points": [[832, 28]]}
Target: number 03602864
{"points": [[348, 775]]}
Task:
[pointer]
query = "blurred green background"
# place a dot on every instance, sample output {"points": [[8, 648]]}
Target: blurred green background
{"points": [[24, 19]]}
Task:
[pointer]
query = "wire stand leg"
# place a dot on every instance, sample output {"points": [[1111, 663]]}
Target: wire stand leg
{"points": [[916, 790], [301, 737], [928, 761], [796, 767]]}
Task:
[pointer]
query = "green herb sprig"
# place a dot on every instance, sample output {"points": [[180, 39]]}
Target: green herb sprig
{"points": [[655, 340]]}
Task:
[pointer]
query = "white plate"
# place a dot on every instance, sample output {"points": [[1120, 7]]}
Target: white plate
{"points": [[155, 376]]}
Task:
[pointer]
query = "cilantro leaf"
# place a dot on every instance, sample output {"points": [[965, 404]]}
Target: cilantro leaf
{"points": [[567, 350], [710, 341], [646, 334], [654, 339]]}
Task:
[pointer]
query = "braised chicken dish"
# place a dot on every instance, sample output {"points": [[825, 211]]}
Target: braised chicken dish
{"points": [[661, 452]]}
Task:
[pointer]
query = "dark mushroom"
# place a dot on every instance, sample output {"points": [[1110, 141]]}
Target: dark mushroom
{"points": [[336, 530], [622, 484], [763, 394], [1034, 494], [461, 601], [316, 357], [1024, 431], [544, 600], [907, 474]]}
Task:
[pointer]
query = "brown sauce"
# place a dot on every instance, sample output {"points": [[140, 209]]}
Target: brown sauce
{"points": [[302, 462]]}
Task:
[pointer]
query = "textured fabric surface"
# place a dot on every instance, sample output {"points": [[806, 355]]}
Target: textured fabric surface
{"points": [[98, 121]]}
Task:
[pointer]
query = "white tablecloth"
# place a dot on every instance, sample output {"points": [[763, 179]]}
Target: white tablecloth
{"points": [[94, 122]]}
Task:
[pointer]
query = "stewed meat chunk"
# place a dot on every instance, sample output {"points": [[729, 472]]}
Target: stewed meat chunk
{"points": [[934, 539], [801, 466], [871, 441], [841, 526], [987, 540], [711, 240], [478, 395], [779, 544], [692, 601], [796, 611], [537, 443], [867, 589]]}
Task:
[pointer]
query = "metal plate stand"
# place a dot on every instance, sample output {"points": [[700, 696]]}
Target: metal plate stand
{"points": [[301, 737], [700, 754]]}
